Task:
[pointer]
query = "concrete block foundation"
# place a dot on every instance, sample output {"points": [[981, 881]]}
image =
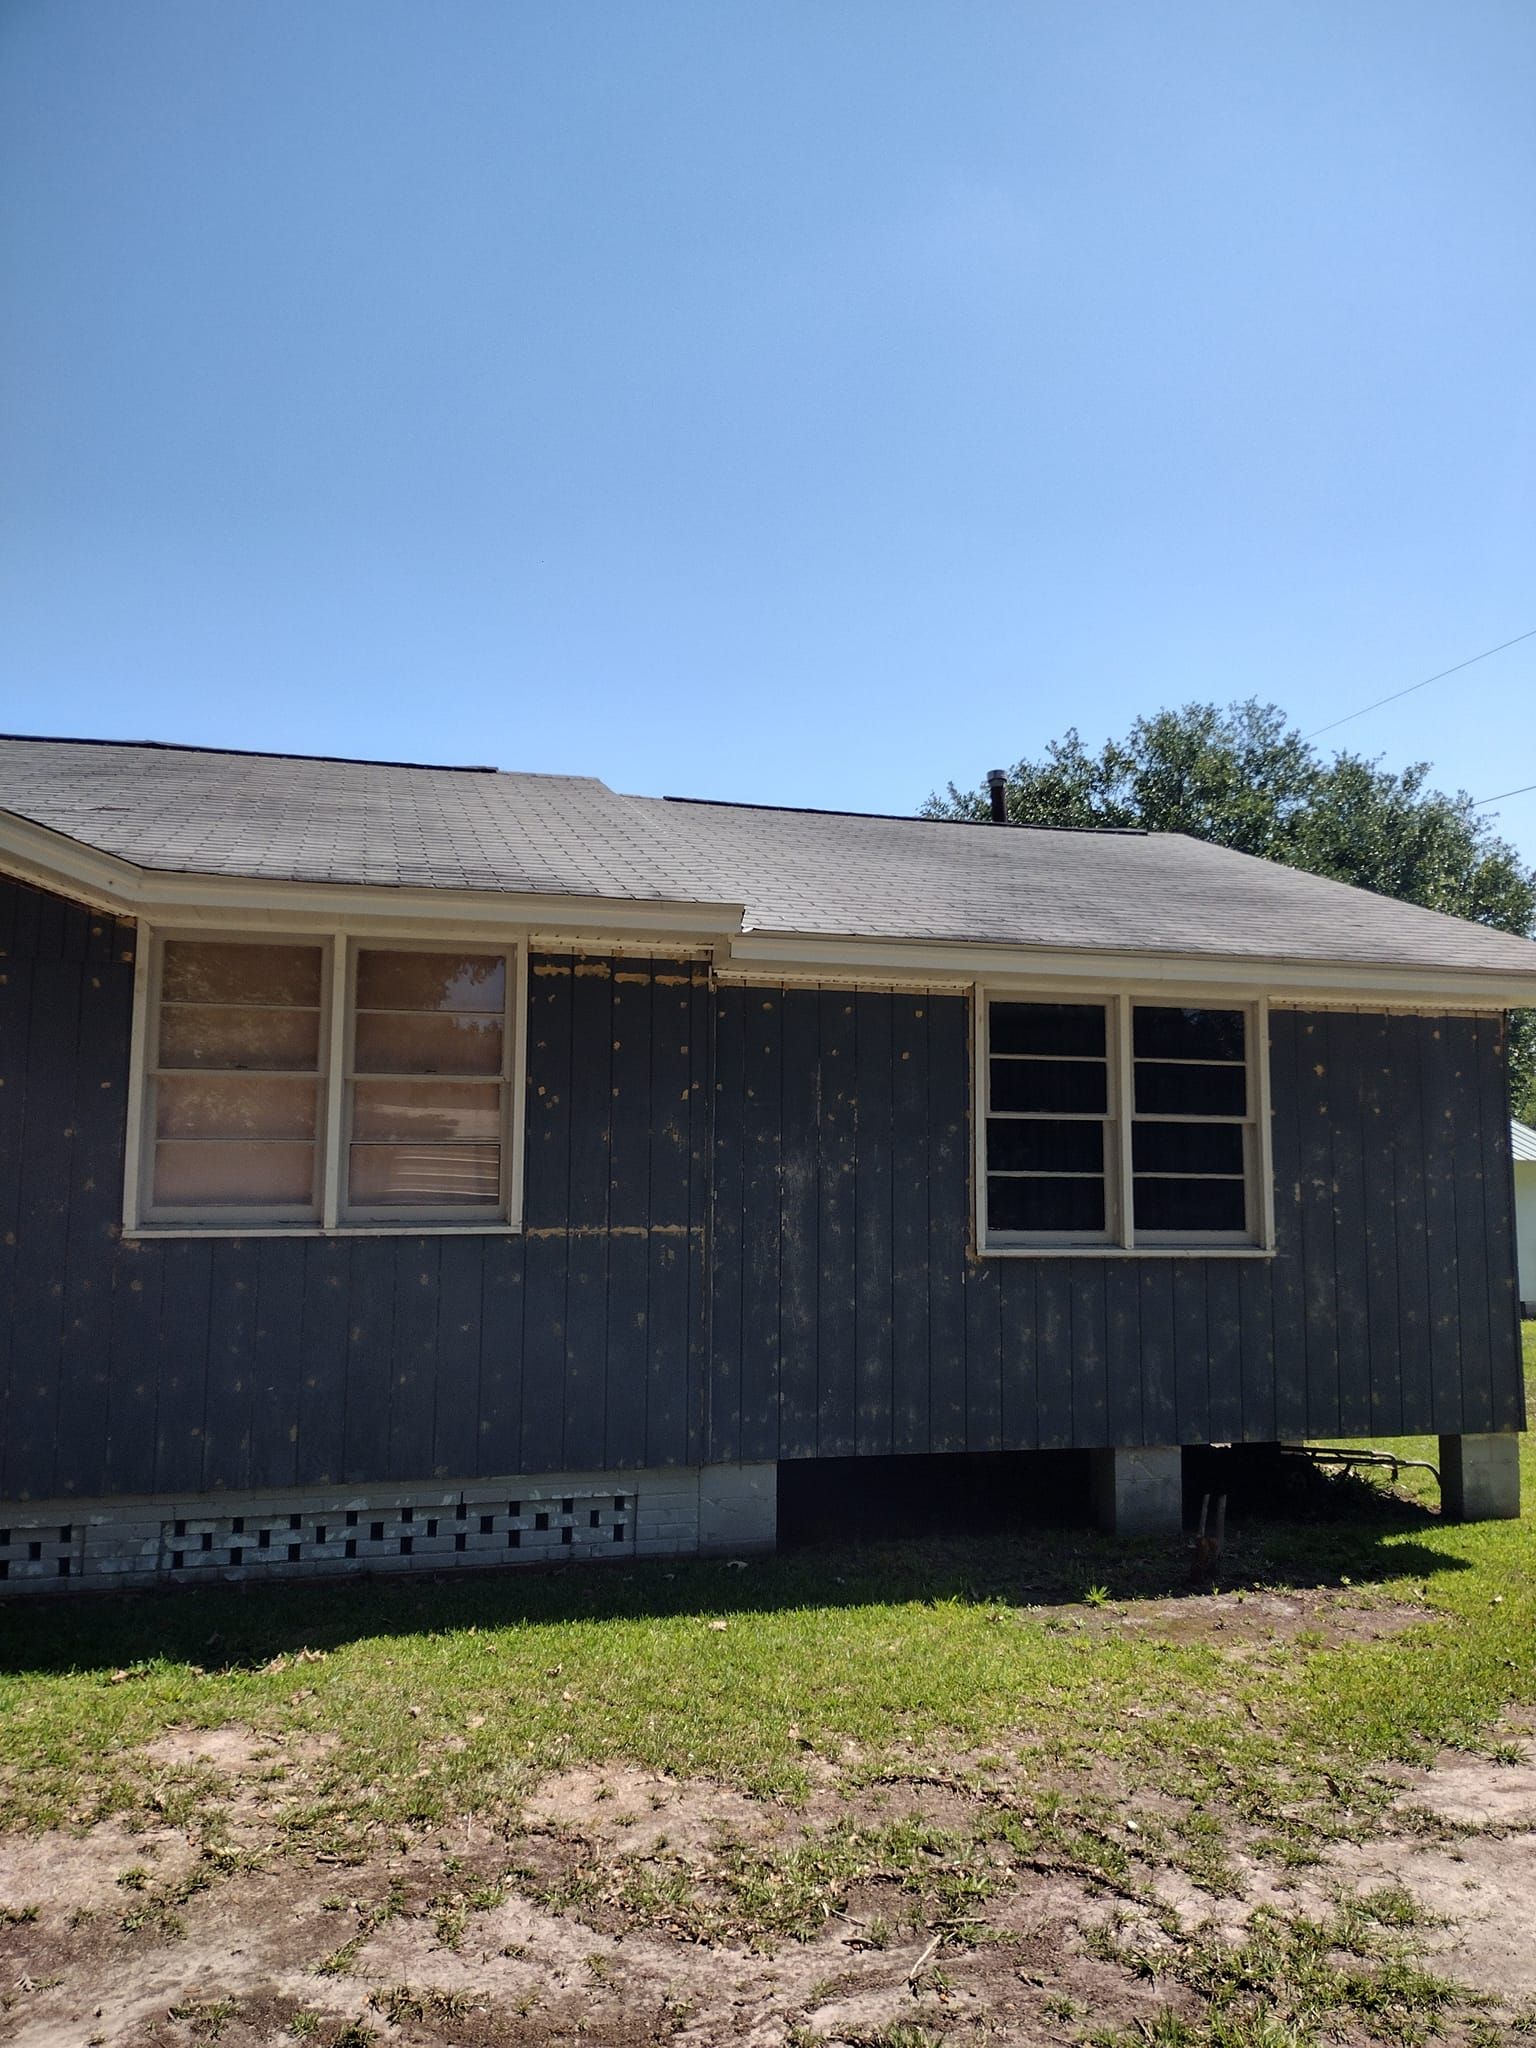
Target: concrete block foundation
{"points": [[1480, 1478], [68, 1546], [1139, 1491]]}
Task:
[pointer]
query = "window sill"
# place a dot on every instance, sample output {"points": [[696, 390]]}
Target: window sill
{"points": [[341, 1233], [1122, 1251]]}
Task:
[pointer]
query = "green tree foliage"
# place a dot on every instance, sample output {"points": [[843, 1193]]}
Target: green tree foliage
{"points": [[1244, 777]]}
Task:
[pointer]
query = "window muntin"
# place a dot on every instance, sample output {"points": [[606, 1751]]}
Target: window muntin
{"points": [[422, 1137], [234, 1088], [245, 1121], [1120, 1124], [1049, 1089]]}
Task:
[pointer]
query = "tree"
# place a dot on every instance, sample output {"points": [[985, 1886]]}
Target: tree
{"points": [[1244, 777]]}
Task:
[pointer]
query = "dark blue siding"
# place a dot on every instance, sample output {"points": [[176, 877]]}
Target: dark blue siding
{"points": [[748, 1235]]}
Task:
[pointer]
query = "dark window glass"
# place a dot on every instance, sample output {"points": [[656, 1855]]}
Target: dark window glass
{"points": [[1190, 1091], [1186, 1148], [1159, 1033], [1190, 1205], [1048, 1027], [1064, 1205], [1035, 1145], [1058, 1085]]}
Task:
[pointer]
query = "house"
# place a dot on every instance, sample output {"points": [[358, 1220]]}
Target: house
{"points": [[411, 1167], [1523, 1146]]}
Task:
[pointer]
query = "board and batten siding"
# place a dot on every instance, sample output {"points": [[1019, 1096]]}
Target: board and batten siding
{"points": [[852, 1315], [190, 1365], [747, 1236]]}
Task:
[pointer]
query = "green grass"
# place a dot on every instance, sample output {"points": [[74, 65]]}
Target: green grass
{"points": [[457, 1696]]}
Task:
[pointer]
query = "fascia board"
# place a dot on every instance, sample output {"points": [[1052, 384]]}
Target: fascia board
{"points": [[961, 963], [52, 860]]}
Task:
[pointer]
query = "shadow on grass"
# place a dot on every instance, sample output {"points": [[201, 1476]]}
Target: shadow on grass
{"points": [[1311, 1532]]}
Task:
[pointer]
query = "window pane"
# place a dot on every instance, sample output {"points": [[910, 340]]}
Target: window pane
{"points": [[228, 1173], [432, 981], [194, 1035], [1190, 1091], [429, 1112], [425, 1176], [233, 1106], [1047, 1027], [1064, 1205], [1187, 1148], [1036, 1145], [1050, 1085], [389, 1043], [1191, 1205], [1159, 1033], [206, 971]]}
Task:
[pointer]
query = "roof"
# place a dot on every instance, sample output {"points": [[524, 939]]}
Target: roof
{"points": [[202, 812], [1523, 1140]]}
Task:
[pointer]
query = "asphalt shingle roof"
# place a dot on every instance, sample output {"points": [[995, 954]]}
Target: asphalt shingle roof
{"points": [[278, 817]]}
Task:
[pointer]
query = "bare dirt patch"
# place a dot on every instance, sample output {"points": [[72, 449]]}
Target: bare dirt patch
{"points": [[1472, 1877], [638, 1811], [478, 1934], [1240, 1622]]}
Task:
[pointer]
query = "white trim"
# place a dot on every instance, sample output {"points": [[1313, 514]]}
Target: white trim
{"points": [[145, 1231], [1206, 978]]}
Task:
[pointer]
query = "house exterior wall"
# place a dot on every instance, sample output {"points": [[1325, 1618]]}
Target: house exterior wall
{"points": [[852, 1314], [1525, 1227], [748, 1237]]}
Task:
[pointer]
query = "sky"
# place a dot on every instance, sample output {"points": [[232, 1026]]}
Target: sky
{"points": [[794, 403]]}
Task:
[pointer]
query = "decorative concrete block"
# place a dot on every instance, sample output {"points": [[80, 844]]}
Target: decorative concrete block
{"points": [[235, 1538], [1480, 1478], [1139, 1490], [738, 1507]]}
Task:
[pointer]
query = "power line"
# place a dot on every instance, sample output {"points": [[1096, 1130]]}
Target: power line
{"points": [[1531, 635], [1484, 801]]}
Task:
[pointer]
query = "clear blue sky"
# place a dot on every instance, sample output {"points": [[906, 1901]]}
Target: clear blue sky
{"points": [[795, 402]]}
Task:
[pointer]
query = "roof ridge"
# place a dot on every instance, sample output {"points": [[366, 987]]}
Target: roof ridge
{"points": [[725, 803], [258, 753]]}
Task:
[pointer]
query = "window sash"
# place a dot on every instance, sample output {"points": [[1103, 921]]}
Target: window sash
{"points": [[1105, 1120], [331, 1077], [1121, 1120], [450, 1212], [226, 1215]]}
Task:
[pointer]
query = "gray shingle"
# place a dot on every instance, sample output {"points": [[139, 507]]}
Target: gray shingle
{"points": [[803, 872]]}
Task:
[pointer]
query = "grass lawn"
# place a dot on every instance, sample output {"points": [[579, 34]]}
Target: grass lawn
{"points": [[925, 1729]]}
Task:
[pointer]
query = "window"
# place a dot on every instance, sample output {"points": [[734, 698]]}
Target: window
{"points": [[1120, 1125], [316, 1083]]}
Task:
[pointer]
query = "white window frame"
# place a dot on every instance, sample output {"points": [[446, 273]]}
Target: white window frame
{"points": [[1121, 1239], [339, 951]]}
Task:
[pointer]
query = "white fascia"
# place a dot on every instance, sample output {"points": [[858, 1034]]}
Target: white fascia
{"points": [[770, 956]]}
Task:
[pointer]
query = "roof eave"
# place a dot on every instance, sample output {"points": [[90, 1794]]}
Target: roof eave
{"points": [[937, 963], [53, 860]]}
